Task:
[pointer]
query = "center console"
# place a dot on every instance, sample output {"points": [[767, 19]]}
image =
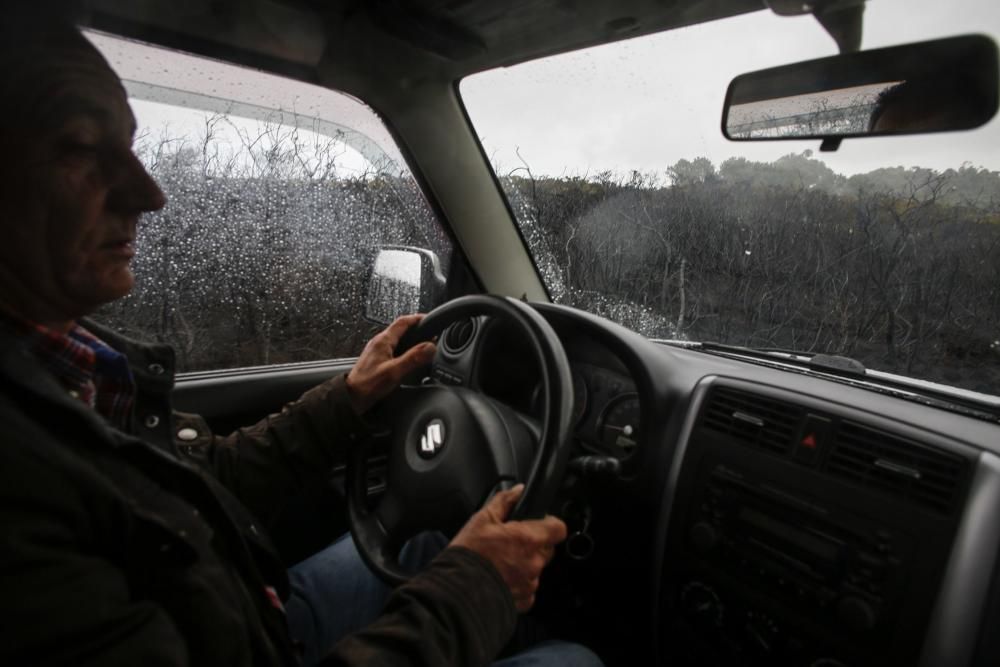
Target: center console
{"points": [[800, 535]]}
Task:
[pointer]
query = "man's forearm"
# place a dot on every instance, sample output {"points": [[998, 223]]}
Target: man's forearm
{"points": [[457, 612]]}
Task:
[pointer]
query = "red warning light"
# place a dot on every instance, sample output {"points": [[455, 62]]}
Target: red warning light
{"points": [[809, 441]]}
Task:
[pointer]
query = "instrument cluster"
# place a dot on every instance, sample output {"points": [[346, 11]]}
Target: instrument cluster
{"points": [[499, 362], [606, 413]]}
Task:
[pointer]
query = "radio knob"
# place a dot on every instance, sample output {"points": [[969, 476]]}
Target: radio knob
{"points": [[762, 632], [701, 605], [704, 536], [856, 613]]}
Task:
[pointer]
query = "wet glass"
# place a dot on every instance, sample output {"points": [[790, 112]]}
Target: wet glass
{"points": [[280, 195]]}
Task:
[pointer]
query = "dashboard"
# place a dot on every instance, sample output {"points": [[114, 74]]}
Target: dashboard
{"points": [[773, 517], [606, 417]]}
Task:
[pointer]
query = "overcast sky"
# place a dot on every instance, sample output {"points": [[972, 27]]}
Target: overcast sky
{"points": [[648, 102]]}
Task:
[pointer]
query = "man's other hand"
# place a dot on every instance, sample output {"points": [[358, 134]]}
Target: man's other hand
{"points": [[518, 549], [377, 372]]}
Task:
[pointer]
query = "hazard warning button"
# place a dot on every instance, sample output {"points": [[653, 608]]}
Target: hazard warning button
{"points": [[812, 438]]}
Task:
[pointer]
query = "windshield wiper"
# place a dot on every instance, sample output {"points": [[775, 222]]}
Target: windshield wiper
{"points": [[818, 361], [831, 363], [853, 372]]}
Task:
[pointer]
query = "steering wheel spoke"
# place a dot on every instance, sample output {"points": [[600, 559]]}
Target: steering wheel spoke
{"points": [[390, 518], [512, 437], [378, 539], [389, 411]]}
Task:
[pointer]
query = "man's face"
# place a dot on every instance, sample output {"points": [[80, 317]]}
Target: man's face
{"points": [[73, 193]]}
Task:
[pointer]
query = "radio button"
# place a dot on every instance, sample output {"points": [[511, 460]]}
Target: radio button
{"points": [[762, 632], [856, 613], [870, 560], [701, 605], [824, 597], [704, 536]]}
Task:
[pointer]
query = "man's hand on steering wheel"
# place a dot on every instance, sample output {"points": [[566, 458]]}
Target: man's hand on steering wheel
{"points": [[377, 372], [519, 550], [451, 445]]}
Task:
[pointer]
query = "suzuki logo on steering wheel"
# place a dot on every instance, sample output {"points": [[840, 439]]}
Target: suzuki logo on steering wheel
{"points": [[432, 440]]}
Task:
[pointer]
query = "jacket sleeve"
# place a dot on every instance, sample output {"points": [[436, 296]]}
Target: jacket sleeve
{"points": [[264, 464], [456, 612]]}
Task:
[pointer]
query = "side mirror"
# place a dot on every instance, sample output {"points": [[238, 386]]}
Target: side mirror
{"points": [[946, 84], [403, 280]]}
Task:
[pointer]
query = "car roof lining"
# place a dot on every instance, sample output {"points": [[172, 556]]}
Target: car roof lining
{"points": [[449, 38]]}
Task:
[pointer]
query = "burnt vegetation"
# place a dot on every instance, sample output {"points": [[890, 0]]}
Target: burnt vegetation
{"points": [[898, 268], [263, 259], [262, 254]]}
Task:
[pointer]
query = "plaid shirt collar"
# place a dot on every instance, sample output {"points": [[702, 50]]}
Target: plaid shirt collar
{"points": [[89, 370]]}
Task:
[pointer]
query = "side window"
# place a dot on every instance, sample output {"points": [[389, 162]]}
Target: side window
{"points": [[280, 197]]}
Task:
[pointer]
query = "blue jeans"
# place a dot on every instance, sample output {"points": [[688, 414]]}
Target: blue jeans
{"points": [[334, 594]]}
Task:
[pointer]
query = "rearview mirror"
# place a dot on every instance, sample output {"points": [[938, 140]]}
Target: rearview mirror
{"points": [[947, 84]]}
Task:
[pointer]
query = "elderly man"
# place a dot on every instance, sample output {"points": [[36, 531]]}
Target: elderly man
{"points": [[115, 551]]}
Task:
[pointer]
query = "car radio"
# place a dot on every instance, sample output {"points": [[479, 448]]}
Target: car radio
{"points": [[837, 569], [770, 563]]}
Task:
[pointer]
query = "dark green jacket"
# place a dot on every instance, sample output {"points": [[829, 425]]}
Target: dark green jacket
{"points": [[133, 549]]}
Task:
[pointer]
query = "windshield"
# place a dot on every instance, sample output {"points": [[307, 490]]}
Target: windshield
{"points": [[636, 208]]}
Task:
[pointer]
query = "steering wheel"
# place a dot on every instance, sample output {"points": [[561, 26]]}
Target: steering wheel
{"points": [[453, 447]]}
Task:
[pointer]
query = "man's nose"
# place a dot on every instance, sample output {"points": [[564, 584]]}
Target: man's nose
{"points": [[135, 191]]}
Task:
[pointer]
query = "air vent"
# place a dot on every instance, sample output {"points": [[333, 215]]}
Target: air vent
{"points": [[459, 335], [761, 422], [899, 466]]}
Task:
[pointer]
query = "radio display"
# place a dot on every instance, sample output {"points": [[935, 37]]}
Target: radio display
{"points": [[818, 547]]}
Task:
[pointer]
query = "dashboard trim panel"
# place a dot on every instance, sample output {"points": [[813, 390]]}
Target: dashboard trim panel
{"points": [[952, 631]]}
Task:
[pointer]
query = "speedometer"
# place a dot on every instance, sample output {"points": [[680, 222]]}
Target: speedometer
{"points": [[618, 426]]}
